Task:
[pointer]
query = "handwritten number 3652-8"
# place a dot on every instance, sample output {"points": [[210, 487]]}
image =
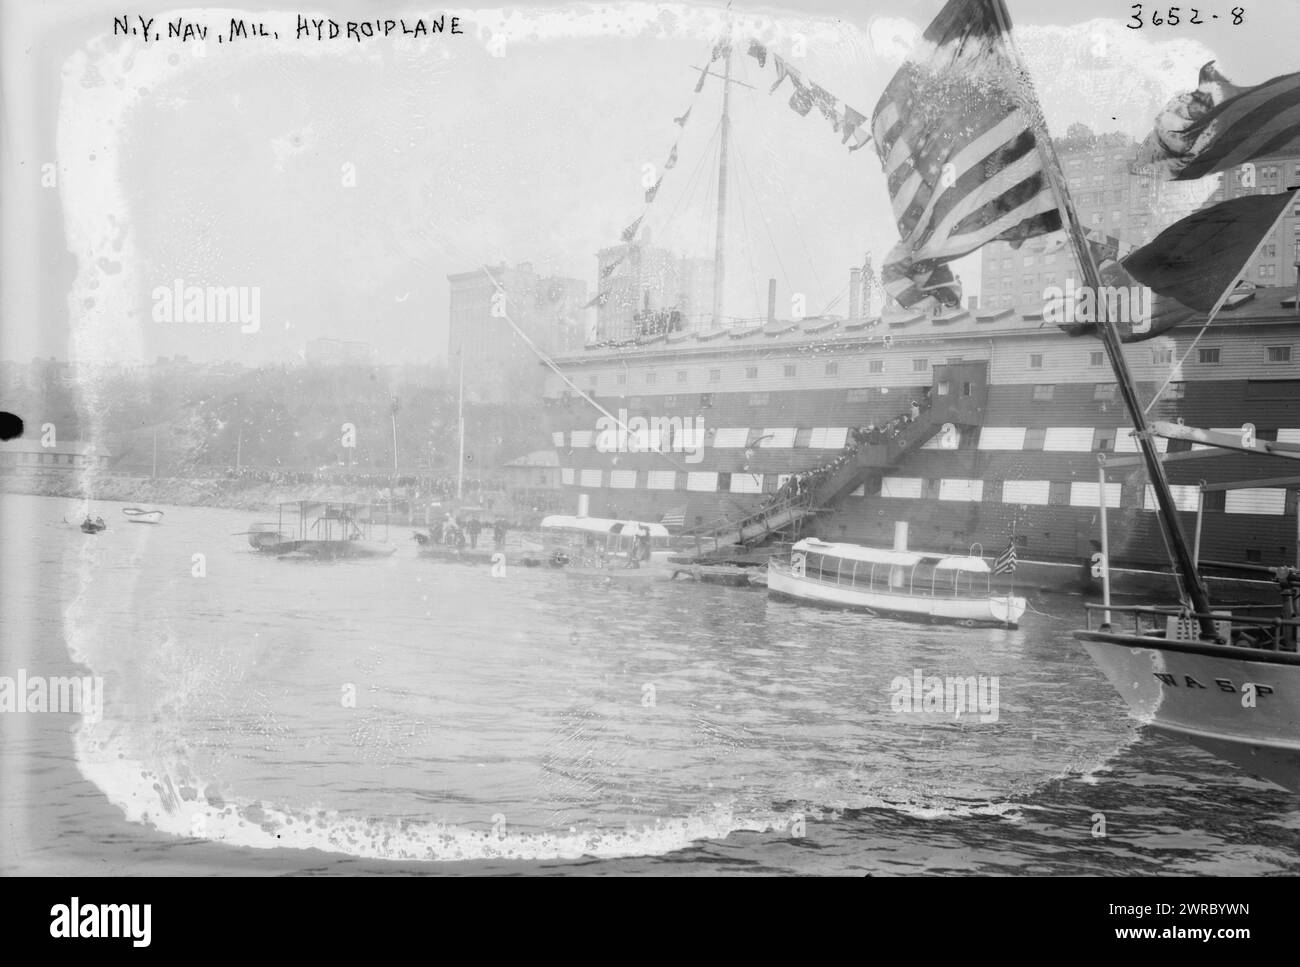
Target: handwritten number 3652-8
{"points": [[1173, 17]]}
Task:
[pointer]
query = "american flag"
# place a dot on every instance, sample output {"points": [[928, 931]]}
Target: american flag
{"points": [[960, 155], [1006, 562], [1219, 126]]}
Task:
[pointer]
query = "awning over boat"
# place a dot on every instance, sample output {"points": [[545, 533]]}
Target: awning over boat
{"points": [[977, 564], [602, 525], [856, 552]]}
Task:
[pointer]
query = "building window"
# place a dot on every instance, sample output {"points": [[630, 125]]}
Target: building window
{"points": [[832, 369], [1279, 354], [1268, 271], [759, 399], [1105, 392], [1044, 393], [681, 375], [670, 401], [715, 376], [621, 379], [650, 378], [1162, 357], [876, 366], [1269, 251], [1035, 360], [1174, 391], [789, 370], [1209, 355], [1096, 359], [706, 400], [858, 396], [920, 365], [751, 372]]}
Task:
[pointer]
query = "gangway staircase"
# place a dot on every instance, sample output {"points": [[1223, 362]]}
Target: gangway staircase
{"points": [[959, 396]]}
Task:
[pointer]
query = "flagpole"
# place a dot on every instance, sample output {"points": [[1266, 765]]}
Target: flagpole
{"points": [[1193, 587], [1105, 541], [720, 245], [1223, 299]]}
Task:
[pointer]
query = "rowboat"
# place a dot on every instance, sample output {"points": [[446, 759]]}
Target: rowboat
{"points": [[137, 515]]}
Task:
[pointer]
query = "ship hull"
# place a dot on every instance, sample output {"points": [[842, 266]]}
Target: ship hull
{"points": [[1199, 693]]}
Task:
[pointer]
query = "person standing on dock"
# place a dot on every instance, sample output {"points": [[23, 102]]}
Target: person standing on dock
{"points": [[475, 526], [499, 534]]}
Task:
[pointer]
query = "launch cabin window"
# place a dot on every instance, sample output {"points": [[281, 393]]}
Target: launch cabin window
{"points": [[1209, 355], [858, 396], [1174, 391], [1044, 393], [670, 401], [759, 399], [1279, 354], [1104, 392]]}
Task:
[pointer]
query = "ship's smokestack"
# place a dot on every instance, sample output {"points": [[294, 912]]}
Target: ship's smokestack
{"points": [[855, 293], [771, 301]]}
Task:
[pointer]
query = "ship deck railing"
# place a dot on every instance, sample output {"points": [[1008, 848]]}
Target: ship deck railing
{"points": [[1268, 633]]}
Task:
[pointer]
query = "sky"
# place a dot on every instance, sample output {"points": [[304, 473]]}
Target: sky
{"points": [[343, 182]]}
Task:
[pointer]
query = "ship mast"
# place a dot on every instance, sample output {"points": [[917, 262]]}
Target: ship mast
{"points": [[719, 263], [1193, 586]]}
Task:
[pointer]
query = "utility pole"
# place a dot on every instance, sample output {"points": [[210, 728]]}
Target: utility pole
{"points": [[460, 420], [393, 415]]}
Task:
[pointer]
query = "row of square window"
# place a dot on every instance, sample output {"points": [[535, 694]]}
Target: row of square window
{"points": [[790, 370], [1161, 356], [1043, 493], [1206, 355]]}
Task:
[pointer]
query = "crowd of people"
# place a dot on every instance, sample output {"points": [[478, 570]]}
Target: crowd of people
{"points": [[418, 485], [463, 531], [807, 481]]}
